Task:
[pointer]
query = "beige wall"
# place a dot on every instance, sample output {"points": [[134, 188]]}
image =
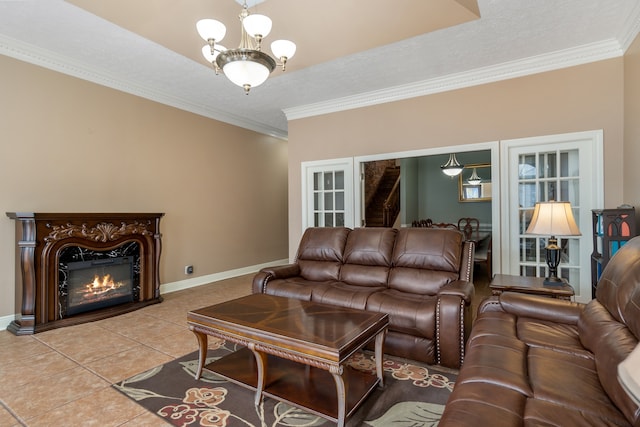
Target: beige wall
{"points": [[632, 124], [72, 146], [580, 98]]}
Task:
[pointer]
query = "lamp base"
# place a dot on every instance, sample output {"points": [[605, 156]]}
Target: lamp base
{"points": [[553, 281]]}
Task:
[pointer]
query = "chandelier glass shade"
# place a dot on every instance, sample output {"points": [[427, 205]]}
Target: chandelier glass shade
{"points": [[247, 66], [452, 167]]}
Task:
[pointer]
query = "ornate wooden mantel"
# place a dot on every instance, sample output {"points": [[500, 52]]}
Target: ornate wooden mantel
{"points": [[41, 236]]}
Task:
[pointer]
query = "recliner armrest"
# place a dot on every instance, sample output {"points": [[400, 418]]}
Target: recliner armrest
{"points": [[278, 272], [282, 271], [460, 288], [539, 307]]}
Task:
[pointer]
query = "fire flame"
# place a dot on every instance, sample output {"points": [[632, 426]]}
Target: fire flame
{"points": [[102, 284]]}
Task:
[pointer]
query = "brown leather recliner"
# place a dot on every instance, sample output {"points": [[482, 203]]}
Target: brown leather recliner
{"points": [[538, 361], [420, 277]]}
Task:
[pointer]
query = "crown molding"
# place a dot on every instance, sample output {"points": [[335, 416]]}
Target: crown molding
{"points": [[508, 70], [65, 65]]}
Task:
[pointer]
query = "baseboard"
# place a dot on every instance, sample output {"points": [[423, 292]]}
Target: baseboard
{"points": [[186, 284], [203, 280], [5, 320]]}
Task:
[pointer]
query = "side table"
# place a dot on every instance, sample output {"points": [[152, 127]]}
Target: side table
{"points": [[530, 285]]}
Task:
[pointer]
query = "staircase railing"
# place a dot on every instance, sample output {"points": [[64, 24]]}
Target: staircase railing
{"points": [[391, 205]]}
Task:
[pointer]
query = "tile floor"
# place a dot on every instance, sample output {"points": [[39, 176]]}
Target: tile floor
{"points": [[63, 377]]}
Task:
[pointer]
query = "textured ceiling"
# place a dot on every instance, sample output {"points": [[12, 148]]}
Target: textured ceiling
{"points": [[350, 53]]}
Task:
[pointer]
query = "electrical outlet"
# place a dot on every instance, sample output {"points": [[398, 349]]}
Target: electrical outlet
{"points": [[188, 269]]}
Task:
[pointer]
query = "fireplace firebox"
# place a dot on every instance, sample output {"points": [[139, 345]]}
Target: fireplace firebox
{"points": [[91, 285], [76, 268]]}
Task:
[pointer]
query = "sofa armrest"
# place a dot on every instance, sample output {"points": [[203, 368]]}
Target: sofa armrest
{"points": [[268, 273], [453, 322], [535, 307], [459, 288]]}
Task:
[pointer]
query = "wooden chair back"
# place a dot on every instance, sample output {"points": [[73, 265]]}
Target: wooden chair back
{"points": [[470, 227]]}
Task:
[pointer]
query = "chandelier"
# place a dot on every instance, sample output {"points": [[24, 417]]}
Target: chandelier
{"points": [[474, 179], [452, 167], [247, 66]]}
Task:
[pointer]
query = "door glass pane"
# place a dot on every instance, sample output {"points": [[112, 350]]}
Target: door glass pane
{"points": [[316, 180], [340, 200], [328, 181], [328, 201], [527, 167], [339, 220], [328, 220], [339, 180]]}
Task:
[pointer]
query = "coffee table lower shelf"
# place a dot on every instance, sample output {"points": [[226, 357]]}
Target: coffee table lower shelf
{"points": [[297, 384]]}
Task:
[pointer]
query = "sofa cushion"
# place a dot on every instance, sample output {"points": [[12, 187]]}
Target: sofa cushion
{"points": [[408, 313], [581, 389], [476, 403], [344, 295], [367, 256], [321, 253], [425, 259], [294, 287], [542, 413]]}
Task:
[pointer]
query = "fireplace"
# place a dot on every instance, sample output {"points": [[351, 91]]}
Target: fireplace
{"points": [[75, 268]]}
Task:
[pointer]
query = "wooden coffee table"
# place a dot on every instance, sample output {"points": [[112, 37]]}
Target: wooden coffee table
{"points": [[295, 351]]}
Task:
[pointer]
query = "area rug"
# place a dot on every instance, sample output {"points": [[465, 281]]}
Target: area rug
{"points": [[413, 395]]}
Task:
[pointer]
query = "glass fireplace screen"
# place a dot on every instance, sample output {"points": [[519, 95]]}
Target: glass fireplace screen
{"points": [[99, 284]]}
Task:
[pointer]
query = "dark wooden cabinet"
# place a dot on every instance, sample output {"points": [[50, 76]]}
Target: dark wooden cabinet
{"points": [[612, 228]]}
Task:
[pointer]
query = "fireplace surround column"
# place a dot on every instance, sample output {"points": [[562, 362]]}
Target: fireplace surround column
{"points": [[40, 237]]}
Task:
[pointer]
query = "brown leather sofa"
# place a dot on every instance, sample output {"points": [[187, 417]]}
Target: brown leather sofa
{"points": [[420, 277], [537, 361]]}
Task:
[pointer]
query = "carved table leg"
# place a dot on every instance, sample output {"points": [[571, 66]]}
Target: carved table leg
{"points": [[342, 396], [203, 345], [261, 364], [379, 351]]}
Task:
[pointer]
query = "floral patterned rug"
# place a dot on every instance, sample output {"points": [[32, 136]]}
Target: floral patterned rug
{"points": [[414, 395]]}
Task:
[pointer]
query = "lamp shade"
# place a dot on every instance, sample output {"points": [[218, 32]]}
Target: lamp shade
{"points": [[283, 49], [553, 219], [246, 68], [211, 29], [629, 374], [257, 25]]}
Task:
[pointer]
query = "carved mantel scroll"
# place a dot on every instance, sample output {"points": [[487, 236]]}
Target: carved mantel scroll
{"points": [[102, 232], [41, 236]]}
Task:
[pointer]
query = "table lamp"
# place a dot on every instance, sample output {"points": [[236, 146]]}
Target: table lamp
{"points": [[553, 219], [629, 375]]}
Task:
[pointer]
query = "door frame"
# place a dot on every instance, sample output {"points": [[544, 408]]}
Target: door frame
{"points": [[591, 176]]}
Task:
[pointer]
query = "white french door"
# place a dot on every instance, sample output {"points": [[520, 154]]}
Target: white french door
{"points": [[328, 193], [564, 167]]}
